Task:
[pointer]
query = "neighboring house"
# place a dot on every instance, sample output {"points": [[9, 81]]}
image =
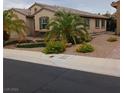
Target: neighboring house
{"points": [[117, 15], [37, 16]]}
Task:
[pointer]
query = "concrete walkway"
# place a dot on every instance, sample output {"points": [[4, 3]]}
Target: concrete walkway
{"points": [[89, 64]]}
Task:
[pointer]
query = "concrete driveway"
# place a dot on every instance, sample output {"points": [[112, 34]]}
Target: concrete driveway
{"points": [[26, 77]]}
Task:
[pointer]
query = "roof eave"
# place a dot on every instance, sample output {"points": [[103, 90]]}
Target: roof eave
{"points": [[42, 9], [18, 11], [95, 17]]}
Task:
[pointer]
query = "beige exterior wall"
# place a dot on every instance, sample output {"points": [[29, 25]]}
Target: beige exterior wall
{"points": [[118, 19], [117, 15], [93, 27], [33, 9], [34, 26], [20, 16], [30, 26], [28, 21], [50, 14], [42, 13]]}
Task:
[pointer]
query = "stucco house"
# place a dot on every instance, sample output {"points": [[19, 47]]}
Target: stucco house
{"points": [[37, 16], [117, 15]]}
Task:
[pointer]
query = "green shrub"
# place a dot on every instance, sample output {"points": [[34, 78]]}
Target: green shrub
{"points": [[85, 48], [54, 47], [112, 39], [30, 45], [88, 38], [39, 40], [9, 42]]}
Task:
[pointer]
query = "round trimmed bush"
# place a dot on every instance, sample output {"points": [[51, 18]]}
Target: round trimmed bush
{"points": [[54, 47], [85, 48]]}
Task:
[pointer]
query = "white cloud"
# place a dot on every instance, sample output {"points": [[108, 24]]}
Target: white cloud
{"points": [[7, 4]]}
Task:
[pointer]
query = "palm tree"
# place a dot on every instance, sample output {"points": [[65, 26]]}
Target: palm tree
{"points": [[68, 27], [11, 23]]}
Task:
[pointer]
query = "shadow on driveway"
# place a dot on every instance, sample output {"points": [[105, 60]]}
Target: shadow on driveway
{"points": [[24, 77]]}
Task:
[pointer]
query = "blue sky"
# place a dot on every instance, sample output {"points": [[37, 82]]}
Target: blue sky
{"points": [[94, 6]]}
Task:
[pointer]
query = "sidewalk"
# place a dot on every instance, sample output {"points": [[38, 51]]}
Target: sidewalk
{"points": [[88, 64]]}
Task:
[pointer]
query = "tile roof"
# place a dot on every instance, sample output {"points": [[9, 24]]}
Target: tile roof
{"points": [[26, 12], [55, 8], [82, 13]]}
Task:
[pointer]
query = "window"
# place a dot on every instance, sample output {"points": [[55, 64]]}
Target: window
{"points": [[103, 23], [97, 23], [43, 22], [87, 22]]}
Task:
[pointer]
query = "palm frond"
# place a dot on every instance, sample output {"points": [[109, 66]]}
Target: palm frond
{"points": [[67, 26]]}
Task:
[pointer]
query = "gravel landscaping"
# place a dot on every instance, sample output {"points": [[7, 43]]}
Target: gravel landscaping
{"points": [[103, 48]]}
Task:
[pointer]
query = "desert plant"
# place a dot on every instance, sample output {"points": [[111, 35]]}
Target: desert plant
{"points": [[88, 38], [112, 39], [67, 27], [11, 23], [85, 48], [54, 47]]}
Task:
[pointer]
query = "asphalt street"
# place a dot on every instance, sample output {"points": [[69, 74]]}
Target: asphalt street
{"points": [[26, 77]]}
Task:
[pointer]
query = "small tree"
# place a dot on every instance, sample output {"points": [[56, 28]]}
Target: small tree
{"points": [[67, 27], [11, 23]]}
